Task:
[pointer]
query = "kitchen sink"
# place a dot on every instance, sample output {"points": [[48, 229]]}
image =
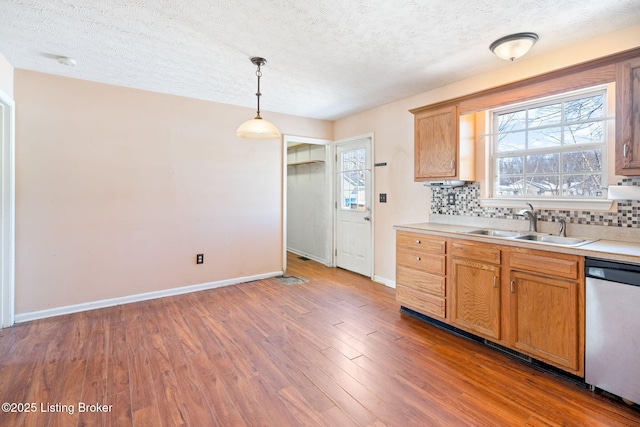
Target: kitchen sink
{"points": [[554, 240], [493, 232], [530, 237]]}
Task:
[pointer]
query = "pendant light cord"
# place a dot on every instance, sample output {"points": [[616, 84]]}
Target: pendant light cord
{"points": [[258, 94]]}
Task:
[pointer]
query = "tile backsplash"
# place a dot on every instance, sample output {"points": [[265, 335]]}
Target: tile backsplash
{"points": [[467, 203]]}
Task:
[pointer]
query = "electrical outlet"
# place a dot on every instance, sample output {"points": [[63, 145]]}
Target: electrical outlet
{"points": [[383, 197], [451, 198], [200, 259]]}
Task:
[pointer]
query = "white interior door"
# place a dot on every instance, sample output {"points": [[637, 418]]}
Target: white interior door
{"points": [[354, 215]]}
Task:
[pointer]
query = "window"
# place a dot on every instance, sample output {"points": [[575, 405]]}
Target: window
{"points": [[554, 148], [352, 183]]}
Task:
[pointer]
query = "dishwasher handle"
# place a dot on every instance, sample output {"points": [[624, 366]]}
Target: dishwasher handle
{"points": [[628, 274]]}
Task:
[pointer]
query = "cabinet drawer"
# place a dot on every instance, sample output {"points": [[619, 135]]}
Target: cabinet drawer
{"points": [[420, 260], [422, 302], [476, 251], [421, 281], [556, 265], [423, 242]]}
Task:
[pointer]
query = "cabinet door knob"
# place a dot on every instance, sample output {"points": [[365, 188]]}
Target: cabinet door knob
{"points": [[418, 242], [417, 258], [495, 281], [513, 287], [625, 150]]}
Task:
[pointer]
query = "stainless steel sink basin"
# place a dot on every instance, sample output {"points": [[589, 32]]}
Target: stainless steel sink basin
{"points": [[493, 232], [554, 240], [530, 237]]}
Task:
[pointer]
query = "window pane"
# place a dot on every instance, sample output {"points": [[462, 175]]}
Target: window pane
{"points": [[510, 122], [353, 179], [584, 109], [545, 115], [584, 133], [543, 138], [543, 163], [582, 161], [511, 141], [543, 186], [509, 186], [510, 165], [588, 185]]}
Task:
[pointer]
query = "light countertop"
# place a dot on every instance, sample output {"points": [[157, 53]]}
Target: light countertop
{"points": [[612, 250]]}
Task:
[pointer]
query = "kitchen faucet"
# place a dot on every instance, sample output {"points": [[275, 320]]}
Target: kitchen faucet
{"points": [[531, 215]]}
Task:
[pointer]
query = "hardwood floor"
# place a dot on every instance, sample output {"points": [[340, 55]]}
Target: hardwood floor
{"points": [[334, 351]]}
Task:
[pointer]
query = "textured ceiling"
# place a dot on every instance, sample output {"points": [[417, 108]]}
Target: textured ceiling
{"points": [[325, 59]]}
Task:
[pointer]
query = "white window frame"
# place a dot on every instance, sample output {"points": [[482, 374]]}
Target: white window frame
{"points": [[560, 202]]}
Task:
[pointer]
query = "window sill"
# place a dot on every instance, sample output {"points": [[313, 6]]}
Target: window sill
{"points": [[558, 204]]}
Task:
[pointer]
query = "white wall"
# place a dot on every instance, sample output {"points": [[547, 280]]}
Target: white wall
{"points": [[118, 189]]}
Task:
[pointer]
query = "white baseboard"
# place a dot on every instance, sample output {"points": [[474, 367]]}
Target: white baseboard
{"points": [[313, 257], [76, 308], [386, 282]]}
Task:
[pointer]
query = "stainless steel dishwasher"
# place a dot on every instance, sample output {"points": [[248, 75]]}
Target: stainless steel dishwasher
{"points": [[612, 356]]}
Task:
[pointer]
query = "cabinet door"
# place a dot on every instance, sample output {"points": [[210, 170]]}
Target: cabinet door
{"points": [[544, 316], [436, 144], [476, 297], [628, 117]]}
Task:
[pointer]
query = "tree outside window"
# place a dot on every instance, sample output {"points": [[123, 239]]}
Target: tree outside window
{"points": [[553, 149]]}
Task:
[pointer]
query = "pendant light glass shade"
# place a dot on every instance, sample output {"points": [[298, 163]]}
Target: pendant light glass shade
{"points": [[258, 129], [514, 46]]}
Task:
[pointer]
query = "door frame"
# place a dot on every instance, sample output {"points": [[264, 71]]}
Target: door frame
{"points": [[7, 204], [329, 171], [334, 155]]}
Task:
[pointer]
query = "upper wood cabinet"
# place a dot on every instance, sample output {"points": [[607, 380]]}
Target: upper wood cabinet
{"points": [[628, 117], [436, 143], [443, 144]]}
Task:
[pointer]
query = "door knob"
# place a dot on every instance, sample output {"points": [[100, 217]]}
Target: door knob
{"points": [[366, 218]]}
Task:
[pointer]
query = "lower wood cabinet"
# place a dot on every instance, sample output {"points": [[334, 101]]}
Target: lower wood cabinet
{"points": [[544, 316], [546, 307], [475, 296], [531, 301], [421, 273]]}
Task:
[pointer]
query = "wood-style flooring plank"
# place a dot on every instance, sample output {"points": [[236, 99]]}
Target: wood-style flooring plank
{"points": [[334, 351]]}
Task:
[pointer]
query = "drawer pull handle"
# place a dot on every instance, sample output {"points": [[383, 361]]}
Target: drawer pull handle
{"points": [[418, 242], [513, 289], [417, 258], [625, 150], [495, 281]]}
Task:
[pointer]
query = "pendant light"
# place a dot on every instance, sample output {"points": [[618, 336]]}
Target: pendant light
{"points": [[258, 128], [513, 46]]}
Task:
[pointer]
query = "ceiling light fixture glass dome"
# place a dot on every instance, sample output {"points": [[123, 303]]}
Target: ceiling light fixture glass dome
{"points": [[513, 46]]}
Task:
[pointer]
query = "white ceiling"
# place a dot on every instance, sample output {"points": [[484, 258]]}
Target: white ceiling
{"points": [[325, 58]]}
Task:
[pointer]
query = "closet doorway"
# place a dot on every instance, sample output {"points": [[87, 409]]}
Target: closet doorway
{"points": [[308, 221]]}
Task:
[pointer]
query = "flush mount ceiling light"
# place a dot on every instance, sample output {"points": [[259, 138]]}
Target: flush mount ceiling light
{"points": [[258, 128], [513, 46]]}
